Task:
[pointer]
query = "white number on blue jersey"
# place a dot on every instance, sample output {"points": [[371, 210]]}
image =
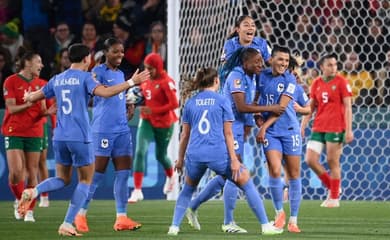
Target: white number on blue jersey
{"points": [[67, 107], [204, 123], [295, 140], [270, 99]]}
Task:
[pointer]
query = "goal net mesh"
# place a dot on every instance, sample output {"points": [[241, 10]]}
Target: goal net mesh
{"points": [[355, 30]]}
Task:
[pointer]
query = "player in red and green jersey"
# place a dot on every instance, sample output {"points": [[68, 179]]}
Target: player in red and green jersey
{"points": [[331, 101], [23, 128], [156, 123]]}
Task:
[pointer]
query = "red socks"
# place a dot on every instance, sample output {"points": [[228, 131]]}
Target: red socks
{"points": [[334, 188], [17, 189], [169, 172], [138, 177], [325, 179]]}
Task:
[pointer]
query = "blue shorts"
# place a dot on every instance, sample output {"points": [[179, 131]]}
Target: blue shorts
{"points": [[195, 170], [113, 144], [288, 145], [75, 154]]}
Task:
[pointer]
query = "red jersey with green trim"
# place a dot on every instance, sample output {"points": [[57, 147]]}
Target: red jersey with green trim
{"points": [[27, 123], [328, 97], [160, 97]]}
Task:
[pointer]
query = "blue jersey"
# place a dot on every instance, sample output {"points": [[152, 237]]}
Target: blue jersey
{"points": [[239, 81], [109, 114], [271, 88], [206, 113], [72, 90], [231, 45], [300, 96]]}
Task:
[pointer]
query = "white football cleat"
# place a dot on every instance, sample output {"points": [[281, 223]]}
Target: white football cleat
{"points": [[173, 230], [169, 184], [44, 201], [16, 213], [29, 217], [192, 217], [232, 228], [136, 195]]}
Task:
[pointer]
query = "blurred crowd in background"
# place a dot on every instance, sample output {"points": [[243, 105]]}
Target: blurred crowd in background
{"points": [[49, 27]]}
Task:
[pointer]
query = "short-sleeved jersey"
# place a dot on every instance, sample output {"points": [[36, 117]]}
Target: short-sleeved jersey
{"points": [[329, 97], [160, 97], [300, 96], [206, 113], [239, 81], [271, 88], [27, 123], [109, 114], [72, 90], [231, 45]]}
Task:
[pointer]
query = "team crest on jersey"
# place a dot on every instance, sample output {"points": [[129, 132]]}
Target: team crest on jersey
{"points": [[333, 87], [37, 88], [236, 146], [94, 77], [290, 88], [104, 143], [171, 86], [280, 87], [237, 83], [157, 86]]}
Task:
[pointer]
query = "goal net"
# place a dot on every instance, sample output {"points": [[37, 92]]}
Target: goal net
{"points": [[355, 30]]}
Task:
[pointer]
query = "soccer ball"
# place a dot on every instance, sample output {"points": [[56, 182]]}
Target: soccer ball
{"points": [[134, 96]]}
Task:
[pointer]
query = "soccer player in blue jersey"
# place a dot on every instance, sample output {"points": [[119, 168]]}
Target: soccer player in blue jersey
{"points": [[280, 135], [239, 88], [111, 138], [72, 140], [207, 120], [244, 36]]}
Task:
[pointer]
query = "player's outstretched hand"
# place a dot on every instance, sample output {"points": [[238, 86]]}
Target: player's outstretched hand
{"points": [[139, 77]]}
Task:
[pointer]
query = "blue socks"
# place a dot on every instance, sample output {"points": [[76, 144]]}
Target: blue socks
{"points": [[121, 190], [97, 178], [213, 187], [50, 184], [254, 201], [182, 204], [79, 196], [295, 196], [276, 189], [230, 192]]}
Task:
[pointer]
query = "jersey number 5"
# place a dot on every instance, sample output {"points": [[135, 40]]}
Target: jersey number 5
{"points": [[204, 123], [325, 97], [67, 103]]}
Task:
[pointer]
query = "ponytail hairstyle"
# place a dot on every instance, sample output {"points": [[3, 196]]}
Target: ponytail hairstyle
{"points": [[204, 78], [239, 20]]}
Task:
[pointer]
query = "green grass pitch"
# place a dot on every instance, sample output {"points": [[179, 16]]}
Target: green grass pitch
{"points": [[353, 220]]}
